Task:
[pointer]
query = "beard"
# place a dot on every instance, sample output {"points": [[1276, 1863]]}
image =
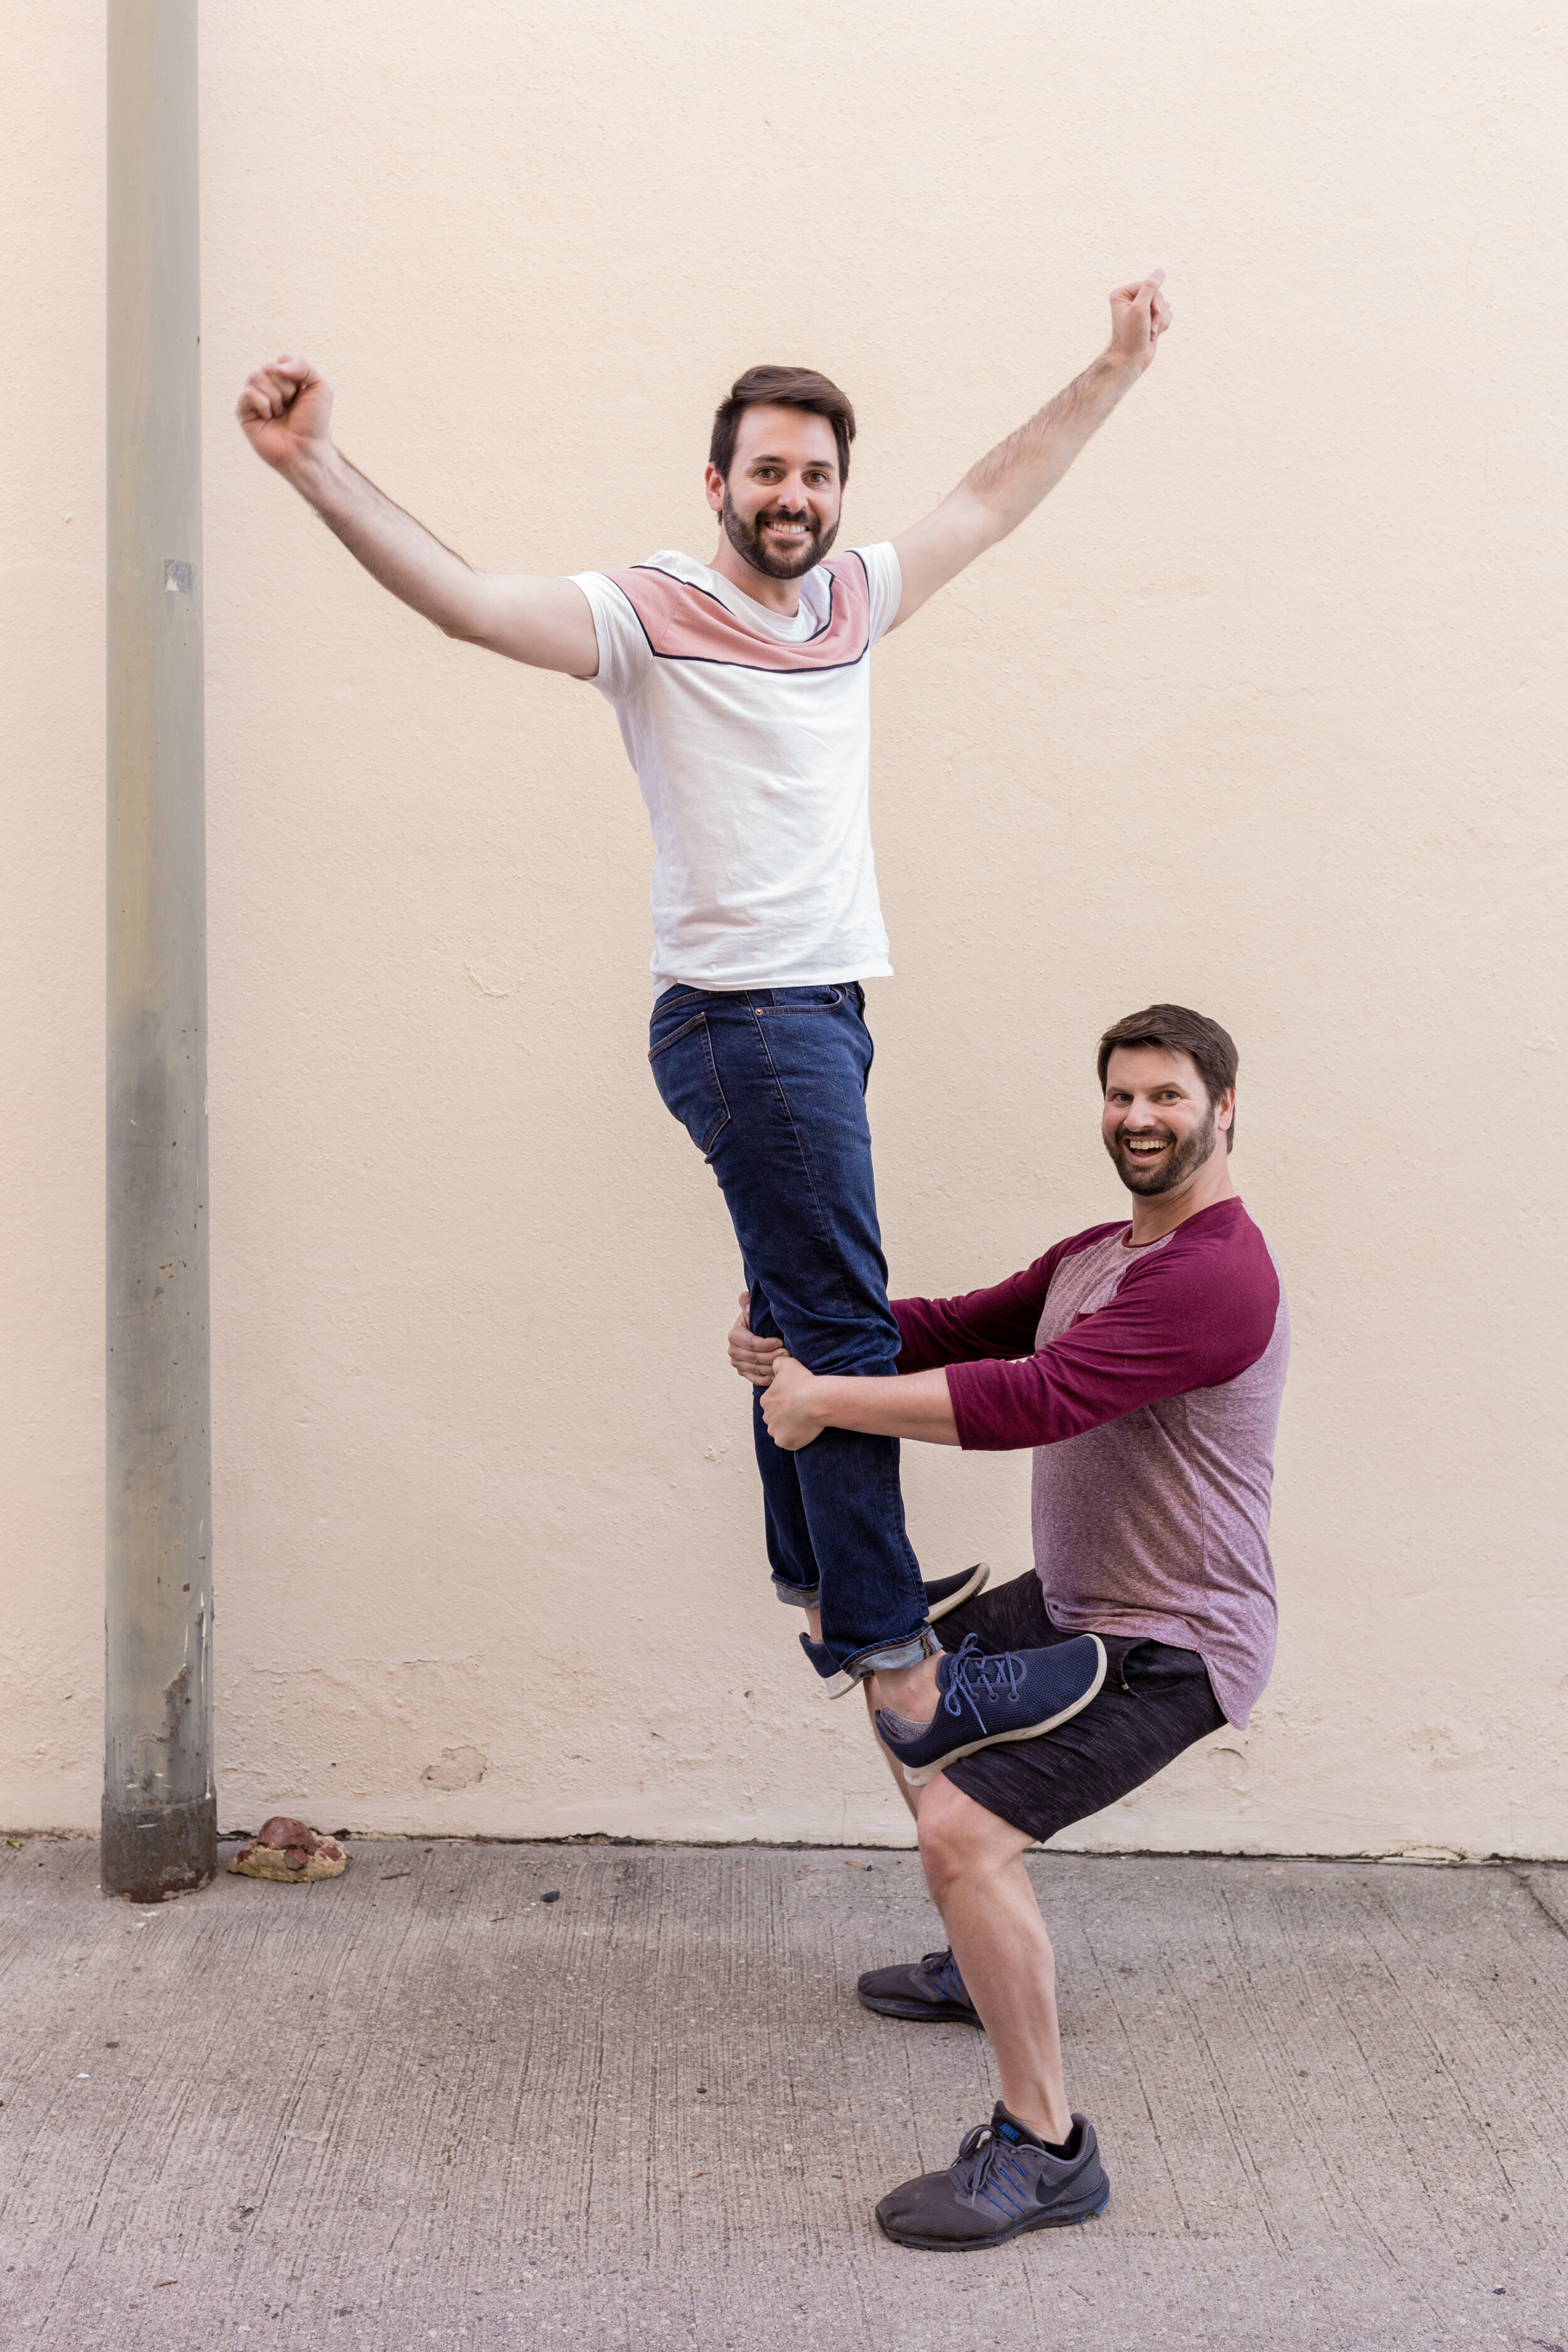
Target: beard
{"points": [[746, 538], [1168, 1173]]}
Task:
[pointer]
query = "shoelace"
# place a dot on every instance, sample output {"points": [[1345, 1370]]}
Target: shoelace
{"points": [[973, 1677], [988, 2168], [940, 1970]]}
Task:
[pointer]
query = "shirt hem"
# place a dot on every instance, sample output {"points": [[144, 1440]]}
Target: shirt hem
{"points": [[814, 976], [1236, 1698]]}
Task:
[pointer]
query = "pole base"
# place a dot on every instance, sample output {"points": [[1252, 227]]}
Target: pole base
{"points": [[152, 1853]]}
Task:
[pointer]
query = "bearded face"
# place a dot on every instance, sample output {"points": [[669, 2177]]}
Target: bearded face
{"points": [[780, 540], [1152, 1159], [1160, 1123]]}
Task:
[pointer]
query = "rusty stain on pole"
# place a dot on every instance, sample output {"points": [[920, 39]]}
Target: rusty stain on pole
{"points": [[160, 1816]]}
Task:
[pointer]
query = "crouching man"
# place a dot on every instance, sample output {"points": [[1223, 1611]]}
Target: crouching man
{"points": [[1144, 1362]]}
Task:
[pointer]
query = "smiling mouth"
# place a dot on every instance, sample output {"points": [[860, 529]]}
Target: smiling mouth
{"points": [[1146, 1147], [783, 545]]}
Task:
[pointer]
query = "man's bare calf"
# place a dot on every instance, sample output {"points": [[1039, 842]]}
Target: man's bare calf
{"points": [[974, 1863]]}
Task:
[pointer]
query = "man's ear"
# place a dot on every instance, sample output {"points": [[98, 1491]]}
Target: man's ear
{"points": [[1224, 1113], [713, 485]]}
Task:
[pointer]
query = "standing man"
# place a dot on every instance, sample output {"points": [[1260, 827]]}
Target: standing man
{"points": [[1144, 1362], [741, 691]]}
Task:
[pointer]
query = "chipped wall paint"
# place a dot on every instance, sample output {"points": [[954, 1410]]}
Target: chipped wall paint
{"points": [[1259, 714]]}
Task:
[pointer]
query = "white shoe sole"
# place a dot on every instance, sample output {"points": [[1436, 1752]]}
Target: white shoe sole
{"points": [[977, 1579], [917, 1776]]}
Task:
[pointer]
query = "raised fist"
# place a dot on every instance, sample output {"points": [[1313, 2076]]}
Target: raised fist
{"points": [[1140, 315], [284, 410]]}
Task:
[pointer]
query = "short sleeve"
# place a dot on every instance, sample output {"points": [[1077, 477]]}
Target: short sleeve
{"points": [[886, 582], [624, 655]]}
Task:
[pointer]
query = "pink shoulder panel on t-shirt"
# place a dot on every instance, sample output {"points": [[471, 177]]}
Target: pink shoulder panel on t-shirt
{"points": [[683, 623]]}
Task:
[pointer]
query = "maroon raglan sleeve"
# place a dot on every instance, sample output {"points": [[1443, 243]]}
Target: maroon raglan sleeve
{"points": [[1000, 1321], [1189, 1316]]}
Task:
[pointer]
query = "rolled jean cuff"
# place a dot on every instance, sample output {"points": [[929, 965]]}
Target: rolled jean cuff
{"points": [[890, 1655], [797, 1596]]}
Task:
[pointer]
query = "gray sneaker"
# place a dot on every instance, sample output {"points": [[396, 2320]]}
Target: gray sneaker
{"points": [[927, 1993], [1004, 2182]]}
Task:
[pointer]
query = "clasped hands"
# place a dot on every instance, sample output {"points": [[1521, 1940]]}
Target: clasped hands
{"points": [[788, 1407]]}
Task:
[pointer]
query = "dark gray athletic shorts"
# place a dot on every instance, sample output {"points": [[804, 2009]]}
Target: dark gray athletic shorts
{"points": [[1155, 1701]]}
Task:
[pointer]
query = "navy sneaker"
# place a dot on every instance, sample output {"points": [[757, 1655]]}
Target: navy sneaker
{"points": [[1011, 1694], [952, 1592], [929, 1992], [1004, 2181]]}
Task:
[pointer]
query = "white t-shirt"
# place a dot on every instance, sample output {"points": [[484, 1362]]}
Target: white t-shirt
{"points": [[750, 735]]}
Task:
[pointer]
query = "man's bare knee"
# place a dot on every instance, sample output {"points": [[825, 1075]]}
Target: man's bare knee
{"points": [[959, 1839]]}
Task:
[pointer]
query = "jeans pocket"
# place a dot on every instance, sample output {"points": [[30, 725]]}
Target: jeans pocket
{"points": [[688, 1082], [825, 998]]}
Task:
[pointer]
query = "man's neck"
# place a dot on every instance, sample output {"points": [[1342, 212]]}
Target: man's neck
{"points": [[781, 596], [1161, 1213]]}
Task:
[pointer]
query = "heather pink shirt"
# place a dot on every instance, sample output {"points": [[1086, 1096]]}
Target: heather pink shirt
{"points": [[1149, 1385]]}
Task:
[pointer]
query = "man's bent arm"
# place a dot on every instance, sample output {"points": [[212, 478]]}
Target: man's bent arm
{"points": [[1195, 1316], [285, 410], [1010, 480]]}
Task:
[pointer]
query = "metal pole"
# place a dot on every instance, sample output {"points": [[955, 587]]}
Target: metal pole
{"points": [[160, 1812]]}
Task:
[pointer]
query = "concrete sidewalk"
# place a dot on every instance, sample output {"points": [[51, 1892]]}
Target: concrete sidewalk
{"points": [[421, 2107]]}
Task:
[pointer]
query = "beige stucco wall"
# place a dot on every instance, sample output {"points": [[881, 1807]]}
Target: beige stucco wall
{"points": [[1260, 713]]}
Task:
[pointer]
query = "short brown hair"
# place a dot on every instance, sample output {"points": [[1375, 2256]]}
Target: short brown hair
{"points": [[781, 387], [1179, 1031]]}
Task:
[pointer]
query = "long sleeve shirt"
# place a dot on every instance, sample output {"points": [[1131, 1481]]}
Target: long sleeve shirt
{"points": [[1147, 1381]]}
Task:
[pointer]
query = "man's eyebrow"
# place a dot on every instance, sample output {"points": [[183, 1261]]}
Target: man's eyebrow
{"points": [[766, 458]]}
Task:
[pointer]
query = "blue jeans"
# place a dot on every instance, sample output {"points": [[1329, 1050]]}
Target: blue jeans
{"points": [[769, 1084]]}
